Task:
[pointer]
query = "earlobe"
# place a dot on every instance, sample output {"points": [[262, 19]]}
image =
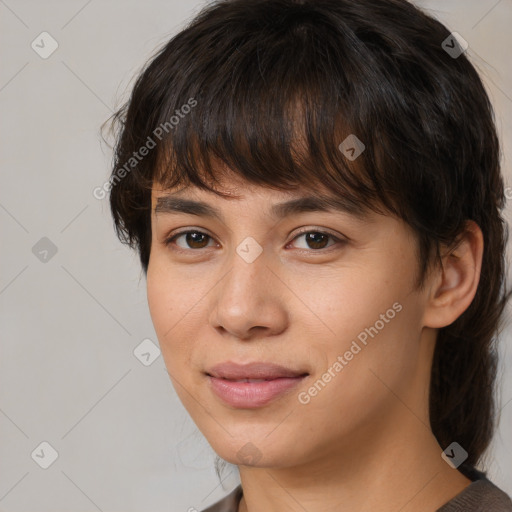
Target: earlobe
{"points": [[454, 285]]}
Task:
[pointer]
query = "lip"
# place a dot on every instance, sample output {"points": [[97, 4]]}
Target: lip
{"points": [[256, 370], [250, 395]]}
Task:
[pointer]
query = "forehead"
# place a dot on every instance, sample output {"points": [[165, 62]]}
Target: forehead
{"points": [[236, 187]]}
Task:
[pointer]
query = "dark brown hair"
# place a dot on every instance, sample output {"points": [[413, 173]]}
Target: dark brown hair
{"points": [[274, 86]]}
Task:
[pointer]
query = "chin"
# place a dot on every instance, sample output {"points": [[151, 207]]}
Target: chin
{"points": [[244, 452]]}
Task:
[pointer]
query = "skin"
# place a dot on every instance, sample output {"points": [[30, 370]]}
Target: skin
{"points": [[363, 442]]}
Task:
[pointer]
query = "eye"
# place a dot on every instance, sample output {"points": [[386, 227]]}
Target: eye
{"points": [[316, 239], [195, 239]]}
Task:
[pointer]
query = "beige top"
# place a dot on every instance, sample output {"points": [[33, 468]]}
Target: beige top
{"points": [[479, 496]]}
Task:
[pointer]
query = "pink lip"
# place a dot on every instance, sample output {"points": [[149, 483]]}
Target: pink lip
{"points": [[249, 395]]}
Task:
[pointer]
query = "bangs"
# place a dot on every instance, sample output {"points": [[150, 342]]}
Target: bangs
{"points": [[275, 112], [303, 97]]}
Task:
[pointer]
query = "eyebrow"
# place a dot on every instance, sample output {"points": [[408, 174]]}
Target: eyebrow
{"points": [[171, 204]]}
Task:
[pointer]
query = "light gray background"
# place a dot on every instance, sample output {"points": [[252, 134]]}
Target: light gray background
{"points": [[70, 325]]}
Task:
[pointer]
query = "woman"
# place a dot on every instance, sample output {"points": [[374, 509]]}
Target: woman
{"points": [[314, 191]]}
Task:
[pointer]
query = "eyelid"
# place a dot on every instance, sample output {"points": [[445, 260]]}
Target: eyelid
{"points": [[318, 229]]}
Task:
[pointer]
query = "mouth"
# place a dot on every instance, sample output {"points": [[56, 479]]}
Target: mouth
{"points": [[252, 385]]}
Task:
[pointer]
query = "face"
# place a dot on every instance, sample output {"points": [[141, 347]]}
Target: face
{"points": [[326, 294]]}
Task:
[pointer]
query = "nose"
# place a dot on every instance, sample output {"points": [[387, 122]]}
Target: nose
{"points": [[249, 301]]}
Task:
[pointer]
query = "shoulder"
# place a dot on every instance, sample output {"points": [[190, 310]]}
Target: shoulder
{"points": [[229, 503], [479, 496]]}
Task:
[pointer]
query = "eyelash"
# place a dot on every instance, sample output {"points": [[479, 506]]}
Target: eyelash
{"points": [[169, 241]]}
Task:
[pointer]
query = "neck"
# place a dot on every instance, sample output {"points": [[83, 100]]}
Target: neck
{"points": [[389, 467]]}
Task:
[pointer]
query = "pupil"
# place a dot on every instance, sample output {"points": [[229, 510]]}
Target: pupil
{"points": [[192, 238], [311, 238]]}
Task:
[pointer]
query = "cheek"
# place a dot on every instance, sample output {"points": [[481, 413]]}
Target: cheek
{"points": [[371, 325], [167, 306], [358, 381], [160, 301], [353, 300]]}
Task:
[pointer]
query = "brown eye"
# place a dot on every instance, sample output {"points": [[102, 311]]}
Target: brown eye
{"points": [[192, 240], [317, 240]]}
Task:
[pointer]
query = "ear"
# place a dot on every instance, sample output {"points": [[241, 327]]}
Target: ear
{"points": [[454, 286]]}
